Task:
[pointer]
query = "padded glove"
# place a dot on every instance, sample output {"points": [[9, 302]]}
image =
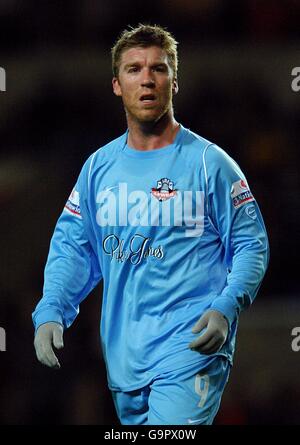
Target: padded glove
{"points": [[48, 335], [215, 334]]}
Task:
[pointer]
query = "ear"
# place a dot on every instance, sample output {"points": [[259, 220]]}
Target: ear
{"points": [[175, 87], [116, 86]]}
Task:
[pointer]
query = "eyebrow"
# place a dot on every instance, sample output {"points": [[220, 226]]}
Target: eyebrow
{"points": [[128, 65]]}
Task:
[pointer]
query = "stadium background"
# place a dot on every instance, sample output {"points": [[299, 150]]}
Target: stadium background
{"points": [[235, 63]]}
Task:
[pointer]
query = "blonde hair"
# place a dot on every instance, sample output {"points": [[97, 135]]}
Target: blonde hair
{"points": [[145, 36]]}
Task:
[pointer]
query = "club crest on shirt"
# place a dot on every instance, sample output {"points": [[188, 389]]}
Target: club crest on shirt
{"points": [[164, 189], [240, 193]]}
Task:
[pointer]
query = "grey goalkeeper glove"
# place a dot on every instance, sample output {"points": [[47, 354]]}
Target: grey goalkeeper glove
{"points": [[215, 334], [48, 335]]}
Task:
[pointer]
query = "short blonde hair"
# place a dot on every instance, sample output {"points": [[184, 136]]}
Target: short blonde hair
{"points": [[145, 36]]}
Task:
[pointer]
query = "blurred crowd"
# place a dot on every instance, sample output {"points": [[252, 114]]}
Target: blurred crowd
{"points": [[234, 89], [31, 24]]}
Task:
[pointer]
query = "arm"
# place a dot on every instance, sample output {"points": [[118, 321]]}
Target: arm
{"points": [[71, 272], [236, 217]]}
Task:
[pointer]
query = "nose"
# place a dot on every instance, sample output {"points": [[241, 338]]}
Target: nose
{"points": [[147, 79]]}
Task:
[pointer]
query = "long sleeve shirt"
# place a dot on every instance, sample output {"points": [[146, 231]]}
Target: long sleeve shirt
{"points": [[173, 232]]}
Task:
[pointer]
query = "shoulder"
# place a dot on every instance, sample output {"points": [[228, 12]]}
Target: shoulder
{"points": [[216, 158], [104, 154], [219, 165], [99, 158], [108, 150], [201, 152], [195, 149], [196, 144], [208, 149]]}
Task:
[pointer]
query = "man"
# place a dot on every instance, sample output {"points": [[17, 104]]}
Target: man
{"points": [[168, 220]]}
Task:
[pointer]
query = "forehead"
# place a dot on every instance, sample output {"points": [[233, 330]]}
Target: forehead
{"points": [[144, 55]]}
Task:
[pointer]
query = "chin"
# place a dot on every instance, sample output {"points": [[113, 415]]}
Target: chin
{"points": [[149, 116], [149, 119]]}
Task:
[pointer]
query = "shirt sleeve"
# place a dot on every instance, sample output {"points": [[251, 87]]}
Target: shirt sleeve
{"points": [[236, 217], [72, 269]]}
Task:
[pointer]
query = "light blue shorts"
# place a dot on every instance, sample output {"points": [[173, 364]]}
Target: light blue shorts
{"points": [[188, 396]]}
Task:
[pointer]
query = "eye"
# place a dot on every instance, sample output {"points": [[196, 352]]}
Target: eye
{"points": [[133, 69], [159, 68]]}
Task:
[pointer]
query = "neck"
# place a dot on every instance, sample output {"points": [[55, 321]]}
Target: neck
{"points": [[151, 135]]}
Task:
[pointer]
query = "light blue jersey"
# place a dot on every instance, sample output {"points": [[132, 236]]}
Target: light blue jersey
{"points": [[173, 232]]}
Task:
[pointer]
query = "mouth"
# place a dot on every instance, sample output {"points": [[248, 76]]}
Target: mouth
{"points": [[148, 98]]}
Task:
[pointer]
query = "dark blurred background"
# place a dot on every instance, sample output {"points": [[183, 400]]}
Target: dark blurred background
{"points": [[235, 63]]}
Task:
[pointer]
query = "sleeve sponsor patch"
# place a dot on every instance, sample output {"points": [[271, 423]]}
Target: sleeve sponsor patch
{"points": [[73, 205], [240, 193]]}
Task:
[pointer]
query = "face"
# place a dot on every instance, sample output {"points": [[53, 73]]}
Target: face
{"points": [[146, 83]]}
